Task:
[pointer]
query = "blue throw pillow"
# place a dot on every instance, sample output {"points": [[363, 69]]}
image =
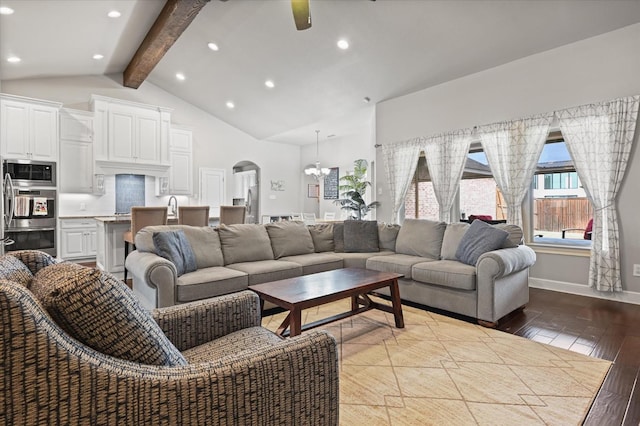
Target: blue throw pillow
{"points": [[174, 246], [479, 238]]}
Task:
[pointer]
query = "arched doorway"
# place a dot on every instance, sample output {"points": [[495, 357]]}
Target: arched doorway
{"points": [[246, 189]]}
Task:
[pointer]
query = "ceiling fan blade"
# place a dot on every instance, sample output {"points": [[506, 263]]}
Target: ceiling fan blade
{"points": [[301, 14]]}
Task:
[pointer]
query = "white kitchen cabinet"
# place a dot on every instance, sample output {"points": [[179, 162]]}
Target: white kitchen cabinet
{"points": [[29, 128], [78, 238], [129, 132], [180, 156], [76, 152]]}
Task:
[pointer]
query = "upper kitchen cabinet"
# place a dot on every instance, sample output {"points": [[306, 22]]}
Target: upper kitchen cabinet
{"points": [[76, 152], [29, 128], [129, 132], [181, 170]]}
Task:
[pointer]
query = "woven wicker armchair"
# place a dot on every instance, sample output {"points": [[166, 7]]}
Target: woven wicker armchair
{"points": [[49, 377]]}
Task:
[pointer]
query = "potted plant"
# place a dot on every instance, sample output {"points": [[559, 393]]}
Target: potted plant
{"points": [[352, 189]]}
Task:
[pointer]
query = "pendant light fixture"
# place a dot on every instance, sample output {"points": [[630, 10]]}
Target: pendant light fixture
{"points": [[317, 172]]}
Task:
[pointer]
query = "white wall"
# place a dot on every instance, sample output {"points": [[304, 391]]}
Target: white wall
{"points": [[596, 69], [338, 152], [216, 144]]}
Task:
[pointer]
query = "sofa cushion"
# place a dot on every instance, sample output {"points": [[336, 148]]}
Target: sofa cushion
{"points": [[447, 273], [419, 237], [359, 260], [360, 236], [338, 237], [514, 239], [100, 311], [268, 270], [322, 236], [451, 240], [174, 246], [210, 282], [316, 262], [289, 238], [398, 263], [245, 243], [479, 238], [12, 269], [204, 242], [387, 234]]}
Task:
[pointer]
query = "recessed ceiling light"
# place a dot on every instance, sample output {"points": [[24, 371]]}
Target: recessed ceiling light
{"points": [[13, 59], [213, 47], [230, 105], [98, 56], [114, 14], [270, 84], [343, 44], [181, 76], [4, 10]]}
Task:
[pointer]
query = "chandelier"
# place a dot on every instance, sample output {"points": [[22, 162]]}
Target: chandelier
{"points": [[317, 172]]}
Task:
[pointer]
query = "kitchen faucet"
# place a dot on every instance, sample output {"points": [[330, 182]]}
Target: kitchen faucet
{"points": [[174, 206]]}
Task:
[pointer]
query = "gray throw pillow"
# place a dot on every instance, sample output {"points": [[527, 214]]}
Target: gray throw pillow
{"points": [[479, 238], [100, 311], [421, 237], [361, 236], [174, 246], [338, 237]]}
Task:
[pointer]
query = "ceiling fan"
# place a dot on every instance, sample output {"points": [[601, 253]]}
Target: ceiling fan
{"points": [[301, 14]]}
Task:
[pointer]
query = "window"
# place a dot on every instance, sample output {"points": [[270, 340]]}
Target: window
{"points": [[420, 202], [560, 209]]}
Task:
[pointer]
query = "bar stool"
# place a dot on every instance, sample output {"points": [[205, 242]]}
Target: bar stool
{"points": [[232, 214], [141, 217], [193, 215]]}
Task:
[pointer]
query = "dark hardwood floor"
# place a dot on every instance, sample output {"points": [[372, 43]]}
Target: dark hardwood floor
{"points": [[595, 327]]}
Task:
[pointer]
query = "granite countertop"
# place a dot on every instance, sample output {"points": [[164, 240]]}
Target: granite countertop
{"points": [[121, 218]]}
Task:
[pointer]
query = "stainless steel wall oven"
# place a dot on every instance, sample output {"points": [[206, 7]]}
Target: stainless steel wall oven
{"points": [[29, 218]]}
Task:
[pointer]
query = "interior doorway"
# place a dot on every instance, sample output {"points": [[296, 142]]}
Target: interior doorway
{"points": [[246, 189]]}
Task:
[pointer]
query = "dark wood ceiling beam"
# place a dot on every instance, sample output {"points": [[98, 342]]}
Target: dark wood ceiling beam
{"points": [[175, 17]]}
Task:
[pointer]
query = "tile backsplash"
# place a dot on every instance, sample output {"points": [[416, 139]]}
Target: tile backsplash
{"points": [[129, 192]]}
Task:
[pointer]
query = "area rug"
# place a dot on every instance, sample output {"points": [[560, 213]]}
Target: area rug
{"points": [[442, 371]]}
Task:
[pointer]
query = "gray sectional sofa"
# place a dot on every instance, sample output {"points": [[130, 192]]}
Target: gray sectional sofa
{"points": [[230, 258]]}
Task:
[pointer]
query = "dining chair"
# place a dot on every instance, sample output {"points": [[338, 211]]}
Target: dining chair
{"points": [[141, 217], [230, 215], [193, 215], [329, 215], [309, 218]]}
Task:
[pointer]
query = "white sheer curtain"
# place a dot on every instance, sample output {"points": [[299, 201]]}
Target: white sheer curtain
{"points": [[512, 149], [599, 138], [401, 160], [446, 156]]}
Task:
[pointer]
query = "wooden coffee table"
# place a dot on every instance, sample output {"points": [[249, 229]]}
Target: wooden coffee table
{"points": [[296, 294]]}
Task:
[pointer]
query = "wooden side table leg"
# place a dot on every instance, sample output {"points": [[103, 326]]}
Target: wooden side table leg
{"points": [[396, 303]]}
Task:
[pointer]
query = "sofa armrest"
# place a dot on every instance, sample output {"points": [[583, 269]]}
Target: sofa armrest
{"points": [[150, 270], [192, 324], [503, 262]]}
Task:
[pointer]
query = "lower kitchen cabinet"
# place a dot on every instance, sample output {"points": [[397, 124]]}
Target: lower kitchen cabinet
{"points": [[78, 239]]}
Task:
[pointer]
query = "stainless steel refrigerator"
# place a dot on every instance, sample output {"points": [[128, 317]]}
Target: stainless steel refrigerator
{"points": [[253, 205]]}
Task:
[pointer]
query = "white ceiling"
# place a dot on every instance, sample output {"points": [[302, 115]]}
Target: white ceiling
{"points": [[396, 47]]}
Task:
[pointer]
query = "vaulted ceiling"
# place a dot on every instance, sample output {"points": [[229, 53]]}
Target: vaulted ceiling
{"points": [[395, 47]]}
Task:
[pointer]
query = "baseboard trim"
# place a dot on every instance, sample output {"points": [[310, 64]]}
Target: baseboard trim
{"points": [[583, 290]]}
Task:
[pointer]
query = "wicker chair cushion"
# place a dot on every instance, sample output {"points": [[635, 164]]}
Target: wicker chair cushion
{"points": [[34, 259], [12, 269], [100, 311]]}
